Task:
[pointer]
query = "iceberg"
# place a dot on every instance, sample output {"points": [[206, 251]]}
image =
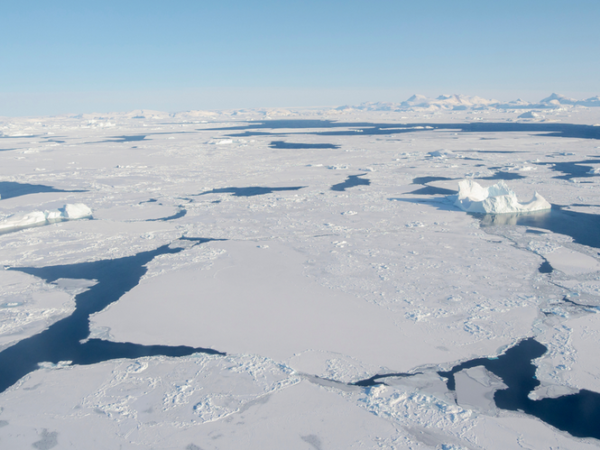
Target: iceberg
{"points": [[496, 199], [36, 218], [75, 211]]}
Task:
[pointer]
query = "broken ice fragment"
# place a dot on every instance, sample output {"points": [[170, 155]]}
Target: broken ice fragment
{"points": [[75, 211], [67, 212]]}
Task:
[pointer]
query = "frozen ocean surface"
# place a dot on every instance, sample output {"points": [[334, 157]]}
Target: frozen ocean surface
{"points": [[68, 339], [247, 282]]}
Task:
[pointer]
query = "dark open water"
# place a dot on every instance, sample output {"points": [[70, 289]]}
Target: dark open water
{"points": [[578, 414], [10, 189], [351, 181], [583, 228], [250, 191], [62, 340], [365, 128]]}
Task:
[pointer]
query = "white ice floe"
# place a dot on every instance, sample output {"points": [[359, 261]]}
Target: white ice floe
{"points": [[67, 212], [496, 199], [226, 141], [443, 154], [571, 262]]}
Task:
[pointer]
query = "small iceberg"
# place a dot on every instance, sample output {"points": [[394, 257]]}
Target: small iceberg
{"points": [[443, 154], [496, 199], [36, 218]]}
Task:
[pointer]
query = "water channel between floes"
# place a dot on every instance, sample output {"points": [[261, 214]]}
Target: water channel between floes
{"points": [[65, 340]]}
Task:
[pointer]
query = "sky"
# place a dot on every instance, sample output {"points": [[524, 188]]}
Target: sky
{"points": [[76, 56]]}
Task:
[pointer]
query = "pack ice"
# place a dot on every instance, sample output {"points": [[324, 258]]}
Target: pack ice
{"points": [[496, 199], [67, 212], [337, 309]]}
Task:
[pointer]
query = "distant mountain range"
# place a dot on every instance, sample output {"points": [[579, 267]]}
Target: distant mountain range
{"points": [[554, 102], [465, 102]]}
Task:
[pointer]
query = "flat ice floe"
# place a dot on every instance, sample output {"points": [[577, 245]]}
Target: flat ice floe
{"points": [[36, 218], [496, 199]]}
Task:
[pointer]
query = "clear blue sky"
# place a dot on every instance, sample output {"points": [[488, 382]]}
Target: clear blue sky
{"points": [[84, 56]]}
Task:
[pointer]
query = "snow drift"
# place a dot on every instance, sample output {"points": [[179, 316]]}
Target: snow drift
{"points": [[67, 212], [496, 199]]}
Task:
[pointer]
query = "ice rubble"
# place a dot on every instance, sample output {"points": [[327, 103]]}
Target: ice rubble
{"points": [[496, 199], [67, 212]]}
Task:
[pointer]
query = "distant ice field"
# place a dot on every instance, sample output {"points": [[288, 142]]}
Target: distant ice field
{"points": [[299, 279]]}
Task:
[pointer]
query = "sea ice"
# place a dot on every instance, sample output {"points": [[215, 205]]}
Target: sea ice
{"points": [[75, 211], [67, 212], [306, 298], [572, 262], [496, 199], [443, 154]]}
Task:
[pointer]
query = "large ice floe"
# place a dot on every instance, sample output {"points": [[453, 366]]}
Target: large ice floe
{"points": [[496, 199], [36, 218]]}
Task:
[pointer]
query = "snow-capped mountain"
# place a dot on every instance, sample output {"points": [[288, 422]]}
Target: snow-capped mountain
{"points": [[464, 102]]}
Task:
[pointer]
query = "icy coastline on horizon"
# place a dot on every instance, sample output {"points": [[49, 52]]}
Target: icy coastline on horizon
{"points": [[472, 103], [416, 103]]}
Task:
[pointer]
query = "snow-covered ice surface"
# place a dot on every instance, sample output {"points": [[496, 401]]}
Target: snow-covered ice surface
{"points": [[316, 267]]}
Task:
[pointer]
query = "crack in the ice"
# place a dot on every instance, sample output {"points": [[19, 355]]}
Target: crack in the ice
{"points": [[66, 341]]}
